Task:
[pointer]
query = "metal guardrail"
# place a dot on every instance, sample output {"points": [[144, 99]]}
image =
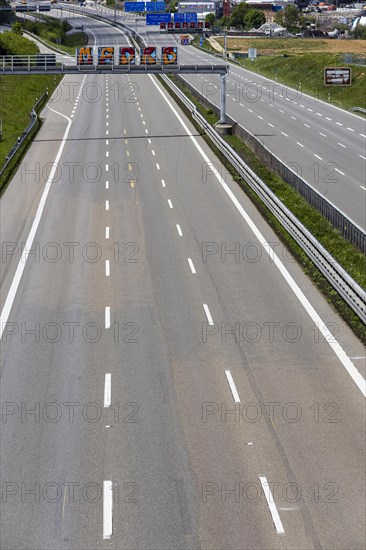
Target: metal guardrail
{"points": [[359, 109], [335, 274], [339, 220], [23, 136]]}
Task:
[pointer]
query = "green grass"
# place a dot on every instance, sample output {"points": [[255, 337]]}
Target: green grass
{"points": [[73, 41], [344, 252], [308, 69], [52, 31], [18, 95]]}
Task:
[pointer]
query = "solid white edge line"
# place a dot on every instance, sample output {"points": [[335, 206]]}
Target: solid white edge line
{"points": [[107, 268], [232, 386], [334, 344], [191, 266], [107, 509], [271, 505], [107, 390], [179, 230], [107, 316], [28, 245], [208, 314]]}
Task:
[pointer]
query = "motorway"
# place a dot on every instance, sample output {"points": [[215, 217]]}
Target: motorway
{"points": [[160, 391], [323, 144]]}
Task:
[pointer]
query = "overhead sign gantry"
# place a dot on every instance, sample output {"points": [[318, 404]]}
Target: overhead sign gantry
{"points": [[116, 60]]}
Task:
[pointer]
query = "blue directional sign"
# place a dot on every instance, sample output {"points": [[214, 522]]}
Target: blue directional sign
{"points": [[157, 18], [134, 6], [150, 6], [160, 6], [179, 18], [191, 17]]}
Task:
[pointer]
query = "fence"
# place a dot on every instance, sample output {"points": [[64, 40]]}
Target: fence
{"points": [[339, 220]]}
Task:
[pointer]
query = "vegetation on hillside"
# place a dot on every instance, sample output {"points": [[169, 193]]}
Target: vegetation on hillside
{"points": [[13, 43], [308, 69], [48, 28]]}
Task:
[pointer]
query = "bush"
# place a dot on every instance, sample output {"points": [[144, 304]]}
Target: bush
{"points": [[360, 33], [14, 44], [17, 28]]}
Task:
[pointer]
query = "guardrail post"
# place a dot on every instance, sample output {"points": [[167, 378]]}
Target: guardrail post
{"points": [[222, 99]]}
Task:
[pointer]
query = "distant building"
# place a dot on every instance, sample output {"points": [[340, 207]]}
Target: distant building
{"points": [[202, 8]]}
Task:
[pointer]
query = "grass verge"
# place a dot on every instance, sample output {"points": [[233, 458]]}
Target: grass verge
{"points": [[351, 259], [18, 95], [292, 68]]}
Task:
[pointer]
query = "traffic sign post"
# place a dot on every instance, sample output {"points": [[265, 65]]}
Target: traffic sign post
{"points": [[252, 53]]}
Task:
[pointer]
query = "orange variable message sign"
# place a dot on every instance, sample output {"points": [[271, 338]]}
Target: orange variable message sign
{"points": [[148, 56], [169, 55], [84, 56], [105, 55], [127, 56]]}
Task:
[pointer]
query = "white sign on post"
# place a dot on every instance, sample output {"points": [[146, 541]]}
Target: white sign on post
{"points": [[252, 53]]}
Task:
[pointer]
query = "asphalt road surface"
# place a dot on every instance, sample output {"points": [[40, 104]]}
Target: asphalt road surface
{"points": [[160, 391], [325, 145]]}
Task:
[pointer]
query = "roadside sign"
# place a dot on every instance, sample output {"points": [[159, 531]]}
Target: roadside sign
{"points": [[337, 76], [252, 53], [184, 40]]}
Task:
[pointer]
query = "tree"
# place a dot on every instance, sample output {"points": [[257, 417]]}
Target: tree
{"points": [[288, 18], [223, 22], [237, 17], [254, 19], [172, 7], [210, 18], [17, 28]]}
